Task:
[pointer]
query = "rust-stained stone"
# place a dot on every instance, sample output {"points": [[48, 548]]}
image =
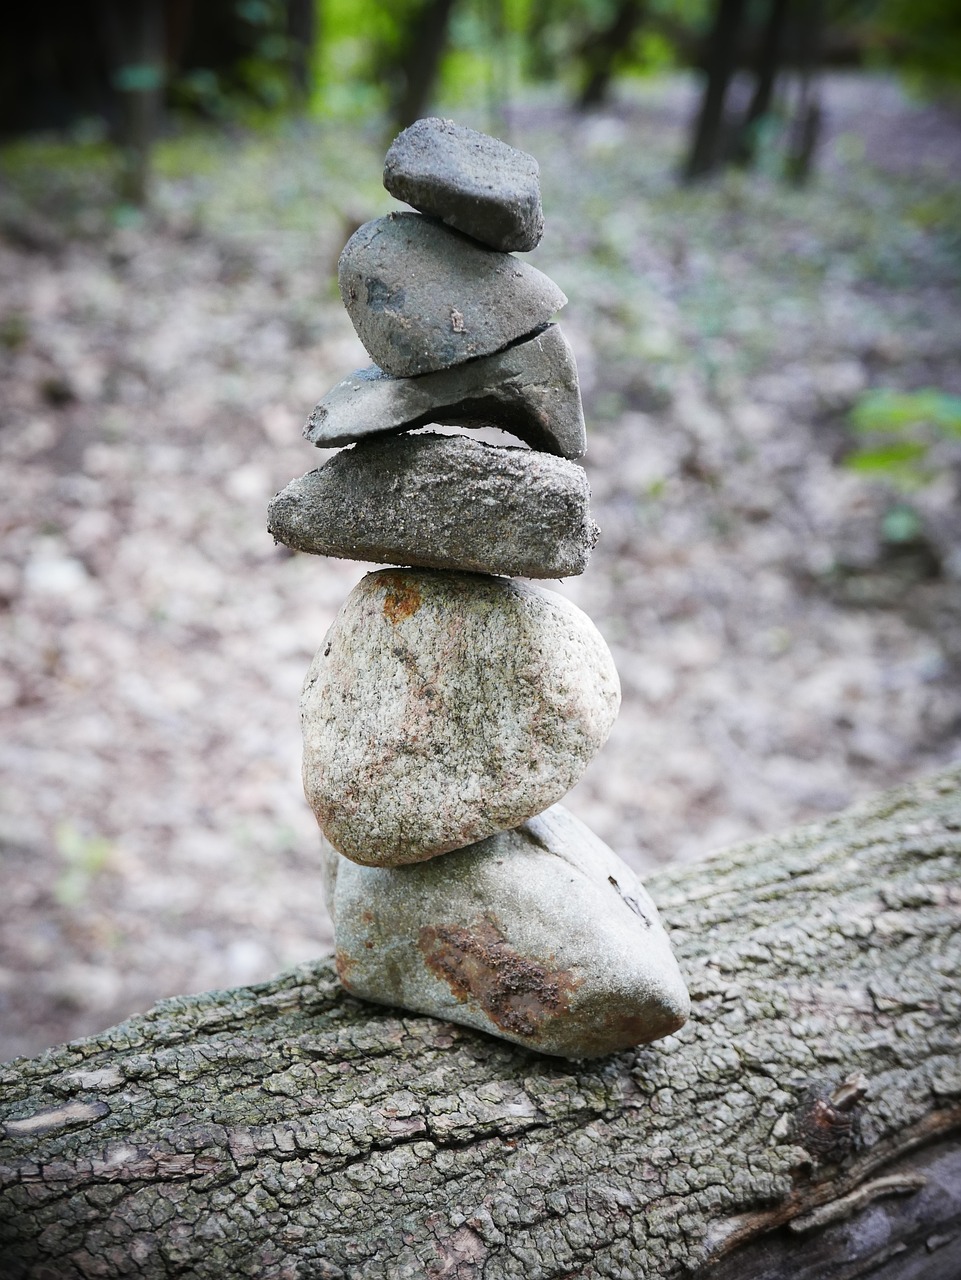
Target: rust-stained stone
{"points": [[444, 707], [517, 992], [541, 935]]}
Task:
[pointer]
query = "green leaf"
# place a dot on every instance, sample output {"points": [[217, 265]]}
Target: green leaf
{"points": [[888, 458], [84, 857], [901, 524], [894, 411]]}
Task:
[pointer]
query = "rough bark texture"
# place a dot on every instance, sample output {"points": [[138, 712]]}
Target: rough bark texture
{"points": [[287, 1130]]}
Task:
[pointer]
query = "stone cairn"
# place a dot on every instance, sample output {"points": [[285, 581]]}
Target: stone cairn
{"points": [[450, 707]]}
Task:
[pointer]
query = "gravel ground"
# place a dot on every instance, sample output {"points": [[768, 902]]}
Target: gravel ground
{"points": [[779, 658]]}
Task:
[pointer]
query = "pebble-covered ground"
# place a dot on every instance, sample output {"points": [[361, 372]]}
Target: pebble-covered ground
{"points": [[779, 658]]}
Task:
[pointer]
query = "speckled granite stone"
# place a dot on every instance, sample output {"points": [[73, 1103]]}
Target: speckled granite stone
{"points": [[443, 707]]}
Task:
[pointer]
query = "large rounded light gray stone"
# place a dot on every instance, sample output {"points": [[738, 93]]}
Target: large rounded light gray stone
{"points": [[476, 183], [423, 297], [443, 707], [531, 390], [541, 935], [442, 502]]}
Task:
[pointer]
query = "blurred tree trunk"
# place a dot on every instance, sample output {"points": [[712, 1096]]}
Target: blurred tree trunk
{"points": [[770, 57], [705, 151], [498, 69], [602, 50], [806, 125], [134, 35], [70, 60], [539, 59], [51, 66], [792, 34], [805, 1124], [419, 60], [302, 32], [178, 19]]}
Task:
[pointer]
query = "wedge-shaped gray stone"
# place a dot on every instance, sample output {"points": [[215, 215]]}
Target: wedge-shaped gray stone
{"points": [[541, 935], [474, 182], [423, 297], [443, 707], [442, 502], [531, 390]]}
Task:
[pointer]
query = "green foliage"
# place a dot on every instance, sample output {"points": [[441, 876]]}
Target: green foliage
{"points": [[493, 44], [898, 410], [654, 53], [466, 70], [923, 38], [901, 525], [45, 180], [557, 31], [297, 180], [84, 858], [897, 458], [14, 331], [257, 83], [362, 42], [909, 427], [355, 35]]}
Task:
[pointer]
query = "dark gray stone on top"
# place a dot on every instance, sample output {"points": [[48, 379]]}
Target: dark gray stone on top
{"points": [[423, 297], [442, 502], [531, 390], [476, 183]]}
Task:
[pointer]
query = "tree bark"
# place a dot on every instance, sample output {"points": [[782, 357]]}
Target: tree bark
{"points": [[705, 150], [805, 1123], [301, 32], [602, 50], [768, 65], [806, 128], [134, 33], [540, 60], [419, 60]]}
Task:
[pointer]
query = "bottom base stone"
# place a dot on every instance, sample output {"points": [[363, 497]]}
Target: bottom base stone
{"points": [[540, 935]]}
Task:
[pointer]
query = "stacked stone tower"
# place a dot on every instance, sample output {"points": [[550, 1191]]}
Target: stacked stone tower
{"points": [[451, 707]]}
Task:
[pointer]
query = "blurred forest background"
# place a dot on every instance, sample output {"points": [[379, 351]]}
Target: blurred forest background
{"points": [[754, 207]]}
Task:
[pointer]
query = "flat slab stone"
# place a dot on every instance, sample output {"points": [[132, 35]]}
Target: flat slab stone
{"points": [[476, 183], [540, 935], [423, 297], [531, 390], [444, 707], [442, 502]]}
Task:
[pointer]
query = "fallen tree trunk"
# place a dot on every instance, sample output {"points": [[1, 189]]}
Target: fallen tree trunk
{"points": [[805, 1123]]}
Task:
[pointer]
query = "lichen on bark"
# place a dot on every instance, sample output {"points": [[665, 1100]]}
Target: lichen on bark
{"points": [[289, 1131]]}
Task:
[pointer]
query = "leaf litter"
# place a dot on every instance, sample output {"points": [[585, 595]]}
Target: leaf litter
{"points": [[780, 657]]}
